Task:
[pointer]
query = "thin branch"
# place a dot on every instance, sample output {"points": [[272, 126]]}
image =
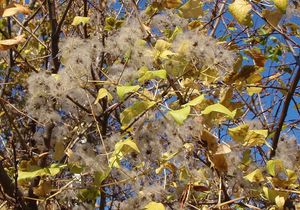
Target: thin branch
{"points": [[285, 108]]}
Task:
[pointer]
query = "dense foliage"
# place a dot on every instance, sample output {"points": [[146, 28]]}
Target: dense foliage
{"points": [[152, 105]]}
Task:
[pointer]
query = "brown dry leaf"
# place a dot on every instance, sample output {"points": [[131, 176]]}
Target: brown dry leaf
{"points": [[258, 57], [273, 17], [219, 162], [14, 9], [59, 150], [9, 43], [43, 189], [210, 139]]}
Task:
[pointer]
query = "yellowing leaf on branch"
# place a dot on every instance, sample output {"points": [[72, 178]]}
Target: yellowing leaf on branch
{"points": [[279, 200], [154, 206], [101, 94], [145, 74], [14, 9], [240, 9], [133, 111], [50, 171], [271, 194], [253, 90], [281, 5], [122, 148], [181, 114], [80, 19], [191, 9], [239, 133], [195, 101], [255, 138], [9, 43], [169, 4], [219, 108], [123, 90], [274, 167], [162, 45], [255, 176]]}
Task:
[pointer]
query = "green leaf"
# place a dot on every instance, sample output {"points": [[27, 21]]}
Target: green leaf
{"points": [[75, 167], [133, 111], [181, 114], [101, 94], [219, 108], [255, 176], [79, 19], [281, 5], [271, 194], [100, 176], [154, 206], [195, 101], [122, 148], [123, 90], [126, 146], [53, 170], [191, 9], [31, 174], [240, 9]]}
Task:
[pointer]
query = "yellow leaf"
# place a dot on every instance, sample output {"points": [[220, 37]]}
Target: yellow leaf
{"points": [[15, 9], [154, 206], [123, 90], [274, 167], [273, 17], [195, 101], [181, 114], [223, 149], [240, 9], [101, 94], [279, 200], [271, 194], [281, 5], [169, 4], [162, 45], [9, 43], [239, 133], [191, 9], [255, 176], [219, 108], [133, 111], [253, 90], [255, 138], [79, 19]]}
